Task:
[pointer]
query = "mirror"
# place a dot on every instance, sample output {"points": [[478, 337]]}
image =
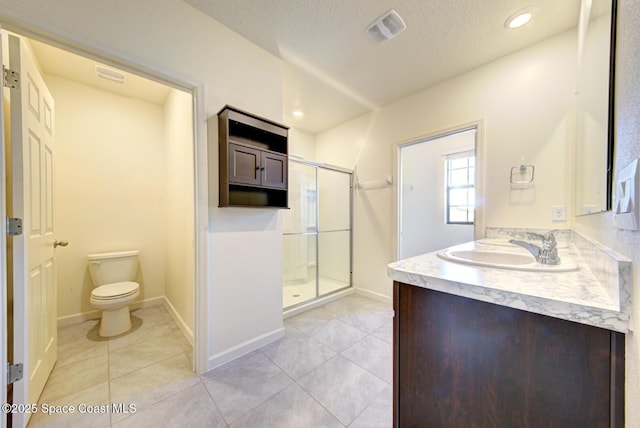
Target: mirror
{"points": [[594, 107]]}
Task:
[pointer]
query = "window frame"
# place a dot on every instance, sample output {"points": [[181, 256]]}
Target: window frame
{"points": [[449, 158]]}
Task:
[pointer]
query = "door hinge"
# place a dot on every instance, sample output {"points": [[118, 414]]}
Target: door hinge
{"points": [[14, 226], [10, 78], [14, 373]]}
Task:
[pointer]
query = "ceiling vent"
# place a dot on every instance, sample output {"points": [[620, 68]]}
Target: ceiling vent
{"points": [[110, 74], [386, 27]]}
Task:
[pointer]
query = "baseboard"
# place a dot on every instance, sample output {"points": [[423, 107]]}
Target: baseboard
{"points": [[77, 318], [95, 315], [147, 303], [373, 295], [244, 348], [184, 328]]}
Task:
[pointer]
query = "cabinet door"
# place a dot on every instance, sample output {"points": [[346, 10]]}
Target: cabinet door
{"points": [[460, 362], [244, 165], [274, 170]]}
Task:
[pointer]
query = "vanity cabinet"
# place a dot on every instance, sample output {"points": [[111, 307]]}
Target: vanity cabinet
{"points": [[460, 362], [252, 160]]}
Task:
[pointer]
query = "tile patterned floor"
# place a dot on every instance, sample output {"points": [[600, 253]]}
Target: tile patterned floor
{"points": [[333, 369]]}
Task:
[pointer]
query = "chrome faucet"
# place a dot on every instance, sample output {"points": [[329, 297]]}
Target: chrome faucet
{"points": [[547, 254]]}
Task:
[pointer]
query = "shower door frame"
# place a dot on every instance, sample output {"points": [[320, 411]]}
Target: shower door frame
{"points": [[317, 165]]}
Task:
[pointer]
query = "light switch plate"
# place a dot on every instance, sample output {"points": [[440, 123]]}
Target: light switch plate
{"points": [[626, 198]]}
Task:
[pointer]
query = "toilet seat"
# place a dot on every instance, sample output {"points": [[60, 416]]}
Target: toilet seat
{"points": [[116, 290]]}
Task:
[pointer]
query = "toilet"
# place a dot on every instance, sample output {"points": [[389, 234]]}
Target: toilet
{"points": [[113, 277]]}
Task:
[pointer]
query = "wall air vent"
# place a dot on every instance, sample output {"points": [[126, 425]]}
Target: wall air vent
{"points": [[386, 27], [111, 74]]}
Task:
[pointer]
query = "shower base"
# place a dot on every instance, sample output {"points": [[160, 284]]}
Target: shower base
{"points": [[293, 294]]}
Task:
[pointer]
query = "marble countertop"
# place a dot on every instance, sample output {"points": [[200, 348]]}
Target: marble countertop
{"points": [[579, 296]]}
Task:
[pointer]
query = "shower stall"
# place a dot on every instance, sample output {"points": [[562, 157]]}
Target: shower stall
{"points": [[317, 232]]}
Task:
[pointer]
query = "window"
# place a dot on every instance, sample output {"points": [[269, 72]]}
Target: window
{"points": [[460, 192]]}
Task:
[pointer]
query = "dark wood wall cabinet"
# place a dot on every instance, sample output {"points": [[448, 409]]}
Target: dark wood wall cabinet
{"points": [[460, 362], [252, 160]]}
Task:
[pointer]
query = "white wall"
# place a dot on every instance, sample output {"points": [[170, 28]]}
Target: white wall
{"points": [[422, 218], [510, 97], [179, 206], [627, 138], [302, 143], [176, 40], [109, 177]]}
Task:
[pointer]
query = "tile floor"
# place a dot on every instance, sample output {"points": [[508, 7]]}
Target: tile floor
{"points": [[333, 369]]}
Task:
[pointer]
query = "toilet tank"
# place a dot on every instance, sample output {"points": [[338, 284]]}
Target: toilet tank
{"points": [[107, 268]]}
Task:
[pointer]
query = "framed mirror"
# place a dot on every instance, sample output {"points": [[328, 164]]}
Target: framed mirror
{"points": [[594, 107]]}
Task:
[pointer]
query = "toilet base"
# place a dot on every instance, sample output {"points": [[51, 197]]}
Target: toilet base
{"points": [[115, 322]]}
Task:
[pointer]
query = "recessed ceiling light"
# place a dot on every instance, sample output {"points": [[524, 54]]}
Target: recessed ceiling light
{"points": [[298, 113], [519, 18]]}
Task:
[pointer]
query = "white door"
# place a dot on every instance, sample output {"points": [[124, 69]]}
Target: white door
{"points": [[35, 332], [3, 256]]}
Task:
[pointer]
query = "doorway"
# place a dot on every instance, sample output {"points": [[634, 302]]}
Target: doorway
{"points": [[103, 180], [317, 232], [437, 181]]}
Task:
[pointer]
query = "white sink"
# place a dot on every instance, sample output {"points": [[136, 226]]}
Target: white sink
{"points": [[502, 258], [493, 257]]}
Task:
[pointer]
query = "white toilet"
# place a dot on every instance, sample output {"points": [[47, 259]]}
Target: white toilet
{"points": [[112, 275]]}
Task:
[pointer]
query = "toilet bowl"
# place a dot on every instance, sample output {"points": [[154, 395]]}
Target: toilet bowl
{"points": [[112, 275]]}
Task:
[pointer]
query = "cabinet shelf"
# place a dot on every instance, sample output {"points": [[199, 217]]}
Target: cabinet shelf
{"points": [[253, 170]]}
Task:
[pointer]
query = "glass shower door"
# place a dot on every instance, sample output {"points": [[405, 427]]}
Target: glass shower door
{"points": [[317, 233], [334, 230], [300, 236]]}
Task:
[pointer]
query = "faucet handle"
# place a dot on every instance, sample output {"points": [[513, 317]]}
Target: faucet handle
{"points": [[548, 237], [534, 235], [548, 253]]}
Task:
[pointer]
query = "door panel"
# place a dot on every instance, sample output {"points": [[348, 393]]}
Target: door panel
{"points": [[299, 269], [301, 218], [300, 237], [334, 198], [274, 170], [245, 165], [32, 129], [334, 224], [334, 261], [35, 182]]}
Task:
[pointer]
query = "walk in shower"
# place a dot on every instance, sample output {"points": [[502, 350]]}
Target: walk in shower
{"points": [[317, 232]]}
